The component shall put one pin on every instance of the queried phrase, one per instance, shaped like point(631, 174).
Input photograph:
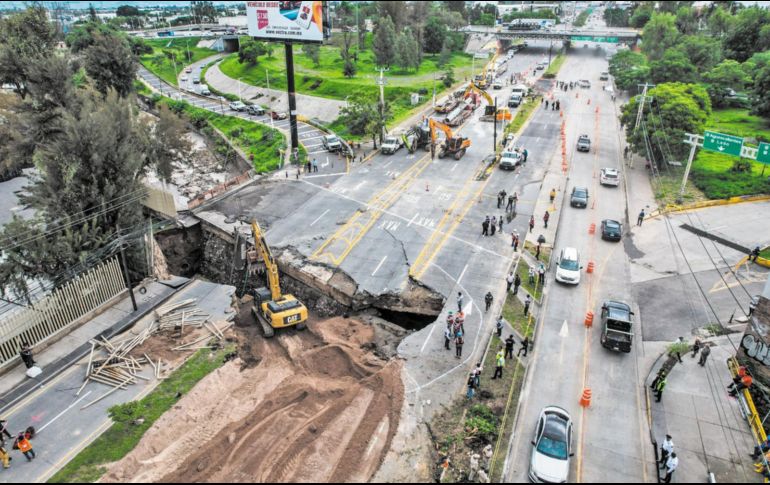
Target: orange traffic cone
point(589, 319)
point(585, 399)
point(590, 268)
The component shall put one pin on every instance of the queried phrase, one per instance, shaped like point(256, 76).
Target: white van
point(568, 266)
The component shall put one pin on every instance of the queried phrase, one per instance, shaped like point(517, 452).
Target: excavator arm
point(441, 126)
point(267, 257)
point(473, 88)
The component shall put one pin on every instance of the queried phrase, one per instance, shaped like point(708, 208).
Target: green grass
point(582, 17)
point(711, 171)
point(261, 143)
point(522, 115)
point(534, 290)
point(553, 69)
point(123, 436)
point(327, 80)
point(160, 65)
point(513, 312)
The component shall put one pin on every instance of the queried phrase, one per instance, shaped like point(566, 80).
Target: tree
point(395, 11)
point(110, 63)
point(673, 67)
point(92, 17)
point(434, 36)
point(384, 42)
point(313, 52)
point(660, 33)
point(361, 28)
point(743, 40)
point(728, 74)
point(407, 50)
point(82, 37)
point(720, 22)
point(250, 50)
point(686, 21)
point(642, 14)
point(629, 69)
point(675, 109)
point(617, 17)
point(164, 141)
point(445, 56)
point(349, 66)
point(703, 52)
point(449, 78)
point(128, 11)
point(456, 7)
point(761, 90)
point(203, 12)
point(24, 37)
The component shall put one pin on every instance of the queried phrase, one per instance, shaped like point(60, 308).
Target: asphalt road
point(568, 357)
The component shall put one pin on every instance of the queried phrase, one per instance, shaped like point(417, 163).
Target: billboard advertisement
point(286, 21)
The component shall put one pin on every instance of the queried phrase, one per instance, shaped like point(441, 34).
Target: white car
point(609, 176)
point(568, 266)
point(509, 160)
point(552, 447)
point(237, 106)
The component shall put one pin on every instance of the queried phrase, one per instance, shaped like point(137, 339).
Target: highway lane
point(567, 357)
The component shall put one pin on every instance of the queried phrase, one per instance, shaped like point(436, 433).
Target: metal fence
point(56, 312)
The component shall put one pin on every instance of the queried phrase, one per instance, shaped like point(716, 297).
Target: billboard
point(286, 21)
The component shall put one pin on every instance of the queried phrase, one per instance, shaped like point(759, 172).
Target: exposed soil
point(312, 406)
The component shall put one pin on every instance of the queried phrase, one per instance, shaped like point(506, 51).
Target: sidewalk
point(709, 432)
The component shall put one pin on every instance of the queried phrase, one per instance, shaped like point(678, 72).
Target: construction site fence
point(218, 190)
point(55, 313)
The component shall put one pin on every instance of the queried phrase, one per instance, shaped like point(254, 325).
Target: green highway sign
point(719, 142)
point(590, 38)
point(763, 153)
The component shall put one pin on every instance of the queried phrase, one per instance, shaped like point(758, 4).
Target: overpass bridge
point(625, 36)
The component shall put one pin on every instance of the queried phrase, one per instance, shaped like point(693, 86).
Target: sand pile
point(312, 406)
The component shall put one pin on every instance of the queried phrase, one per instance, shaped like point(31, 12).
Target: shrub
point(741, 166)
point(236, 132)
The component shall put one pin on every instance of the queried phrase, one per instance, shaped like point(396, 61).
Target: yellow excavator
point(503, 113)
point(453, 145)
point(272, 308)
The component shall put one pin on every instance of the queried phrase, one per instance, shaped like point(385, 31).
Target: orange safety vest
point(747, 381)
point(24, 445)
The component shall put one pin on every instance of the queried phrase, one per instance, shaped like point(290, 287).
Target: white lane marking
point(379, 265)
point(319, 217)
point(49, 423)
point(425, 344)
point(453, 167)
point(462, 273)
point(564, 332)
point(386, 165)
point(317, 151)
point(314, 145)
point(413, 218)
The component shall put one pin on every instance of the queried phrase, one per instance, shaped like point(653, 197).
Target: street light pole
point(382, 101)
point(494, 132)
point(267, 76)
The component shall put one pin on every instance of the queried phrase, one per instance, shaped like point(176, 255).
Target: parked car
point(509, 160)
point(278, 116)
point(237, 106)
point(568, 266)
point(584, 143)
point(584, 83)
point(552, 447)
point(497, 85)
point(391, 144)
point(196, 80)
point(604, 76)
point(184, 78)
point(612, 230)
point(579, 197)
point(331, 143)
point(609, 176)
point(255, 109)
point(188, 70)
point(205, 91)
point(617, 326)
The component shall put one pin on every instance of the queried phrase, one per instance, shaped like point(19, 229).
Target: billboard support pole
point(292, 98)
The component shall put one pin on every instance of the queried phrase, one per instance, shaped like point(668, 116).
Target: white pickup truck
point(391, 144)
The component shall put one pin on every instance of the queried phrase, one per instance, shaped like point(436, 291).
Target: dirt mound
point(313, 406)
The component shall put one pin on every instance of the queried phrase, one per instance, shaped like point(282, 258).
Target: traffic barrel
point(589, 319)
point(590, 268)
point(585, 399)
point(592, 228)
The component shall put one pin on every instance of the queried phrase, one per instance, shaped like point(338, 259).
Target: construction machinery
point(452, 145)
point(489, 109)
point(417, 137)
point(272, 308)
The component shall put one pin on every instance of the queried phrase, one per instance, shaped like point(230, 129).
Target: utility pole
point(381, 83)
point(292, 97)
point(494, 132)
point(694, 141)
point(267, 76)
point(640, 112)
point(126, 278)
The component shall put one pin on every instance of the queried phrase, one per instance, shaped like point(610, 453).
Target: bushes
point(722, 185)
point(482, 422)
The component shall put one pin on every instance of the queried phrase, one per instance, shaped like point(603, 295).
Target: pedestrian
point(553, 195)
point(493, 226)
point(513, 241)
point(5, 457)
point(696, 346)
point(658, 377)
point(546, 104)
point(315, 165)
point(754, 254)
point(665, 450)
point(531, 275)
point(509, 281)
point(558, 105)
point(485, 228)
point(537, 252)
point(625, 152)
point(4, 429)
point(309, 166)
point(477, 377)
point(23, 444)
point(676, 353)
point(459, 301)
point(447, 336)
point(742, 371)
point(500, 223)
point(541, 275)
point(531, 223)
point(524, 347)
point(488, 300)
point(459, 345)
point(499, 326)
point(516, 243)
point(459, 325)
point(512, 200)
point(499, 199)
point(527, 303)
point(704, 354)
point(640, 219)
point(516, 283)
point(499, 364)
point(671, 465)
point(659, 388)
point(525, 152)
point(546, 216)
point(503, 195)
point(26, 355)
point(471, 386)
point(509, 343)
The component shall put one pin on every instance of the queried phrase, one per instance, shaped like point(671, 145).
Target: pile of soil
point(311, 406)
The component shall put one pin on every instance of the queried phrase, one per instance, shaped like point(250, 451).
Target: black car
point(611, 230)
point(579, 197)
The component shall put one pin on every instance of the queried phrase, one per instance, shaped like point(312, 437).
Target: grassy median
point(522, 115)
point(171, 55)
point(554, 67)
point(115, 443)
